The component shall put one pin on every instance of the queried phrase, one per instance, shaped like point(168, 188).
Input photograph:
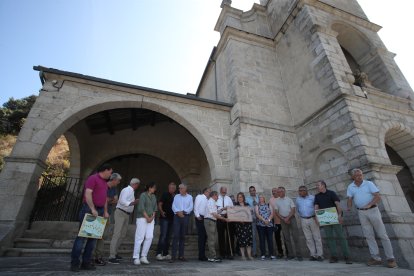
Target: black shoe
point(312, 258)
point(319, 259)
point(230, 257)
point(118, 257)
point(87, 266)
point(290, 258)
point(172, 260)
point(74, 268)
point(100, 262)
point(203, 259)
point(347, 260)
point(299, 259)
point(113, 261)
point(333, 260)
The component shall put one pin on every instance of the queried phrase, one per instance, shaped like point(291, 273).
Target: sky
point(161, 44)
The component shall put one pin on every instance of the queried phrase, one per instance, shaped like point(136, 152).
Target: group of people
point(216, 230)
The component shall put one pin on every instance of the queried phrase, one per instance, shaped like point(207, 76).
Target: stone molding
point(36, 161)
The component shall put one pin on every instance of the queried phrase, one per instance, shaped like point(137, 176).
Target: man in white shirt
point(226, 248)
point(124, 209)
point(285, 209)
point(200, 207)
point(210, 219)
point(182, 208)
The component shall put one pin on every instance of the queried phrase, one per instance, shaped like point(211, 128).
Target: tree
point(13, 114)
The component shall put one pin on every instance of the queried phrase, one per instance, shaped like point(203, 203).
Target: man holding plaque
point(94, 202)
point(328, 199)
point(210, 219)
point(365, 195)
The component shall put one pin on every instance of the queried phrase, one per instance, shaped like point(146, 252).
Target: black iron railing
point(58, 199)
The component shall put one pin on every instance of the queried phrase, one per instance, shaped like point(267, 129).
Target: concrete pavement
point(19, 266)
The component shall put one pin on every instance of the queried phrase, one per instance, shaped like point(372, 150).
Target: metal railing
point(58, 199)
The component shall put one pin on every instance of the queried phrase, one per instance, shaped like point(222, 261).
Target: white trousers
point(143, 233)
point(371, 221)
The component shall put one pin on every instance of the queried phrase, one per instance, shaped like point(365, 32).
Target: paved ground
point(17, 266)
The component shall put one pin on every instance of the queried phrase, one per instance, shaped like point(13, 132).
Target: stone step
point(62, 244)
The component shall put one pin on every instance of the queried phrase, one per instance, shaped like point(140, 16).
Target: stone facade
point(277, 106)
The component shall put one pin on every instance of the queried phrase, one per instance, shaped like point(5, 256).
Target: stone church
point(295, 91)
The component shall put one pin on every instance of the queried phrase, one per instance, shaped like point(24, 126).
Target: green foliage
point(12, 117)
point(13, 114)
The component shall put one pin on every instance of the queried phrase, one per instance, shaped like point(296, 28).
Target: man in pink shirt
point(94, 202)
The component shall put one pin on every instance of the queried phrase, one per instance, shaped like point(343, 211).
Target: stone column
point(19, 183)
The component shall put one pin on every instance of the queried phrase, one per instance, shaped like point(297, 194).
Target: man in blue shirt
point(306, 209)
point(182, 207)
point(365, 195)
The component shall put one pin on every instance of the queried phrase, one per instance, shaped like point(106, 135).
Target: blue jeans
point(166, 227)
point(180, 229)
point(265, 233)
point(79, 241)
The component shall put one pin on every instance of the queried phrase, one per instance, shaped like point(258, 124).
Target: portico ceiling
point(113, 120)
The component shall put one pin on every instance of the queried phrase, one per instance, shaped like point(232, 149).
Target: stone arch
point(162, 157)
point(398, 143)
point(360, 55)
point(65, 121)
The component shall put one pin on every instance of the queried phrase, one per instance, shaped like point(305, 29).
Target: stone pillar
point(19, 183)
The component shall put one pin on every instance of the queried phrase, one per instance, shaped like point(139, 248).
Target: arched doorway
point(399, 144)
point(146, 168)
point(404, 176)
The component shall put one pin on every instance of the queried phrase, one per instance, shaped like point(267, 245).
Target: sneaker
point(319, 259)
point(217, 260)
point(348, 260)
point(118, 257)
point(87, 266)
point(100, 262)
point(372, 262)
point(74, 268)
point(159, 257)
point(333, 260)
point(312, 258)
point(263, 258)
point(113, 261)
point(167, 257)
point(144, 260)
point(273, 257)
point(391, 263)
point(137, 262)
point(211, 260)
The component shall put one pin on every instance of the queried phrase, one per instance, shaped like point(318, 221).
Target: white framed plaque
point(92, 227)
point(239, 214)
point(327, 216)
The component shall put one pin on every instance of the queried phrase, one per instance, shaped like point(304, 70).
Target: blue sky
point(161, 44)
